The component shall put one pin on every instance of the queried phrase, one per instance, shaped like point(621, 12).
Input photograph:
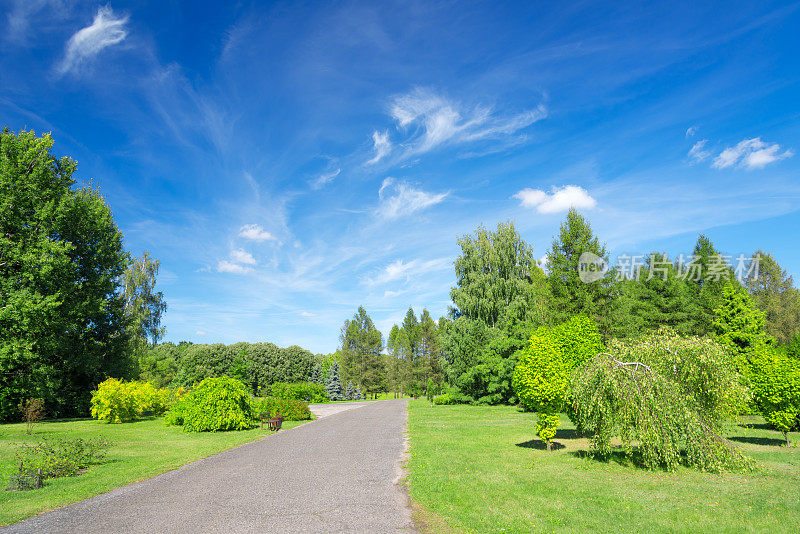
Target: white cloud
point(399, 270)
point(200, 333)
point(255, 232)
point(560, 199)
point(691, 131)
point(324, 179)
point(404, 200)
point(106, 30)
point(241, 256)
point(225, 266)
point(381, 145)
point(698, 151)
point(439, 121)
point(307, 314)
point(750, 154)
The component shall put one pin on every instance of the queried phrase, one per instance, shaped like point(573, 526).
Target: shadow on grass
point(540, 445)
point(756, 426)
point(772, 442)
point(632, 458)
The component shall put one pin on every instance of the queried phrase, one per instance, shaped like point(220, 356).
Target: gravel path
point(336, 474)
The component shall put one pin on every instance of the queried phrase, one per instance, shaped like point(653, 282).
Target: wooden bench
point(273, 423)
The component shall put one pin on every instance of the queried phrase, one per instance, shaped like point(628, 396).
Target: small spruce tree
point(351, 391)
point(334, 386)
point(316, 375)
point(359, 395)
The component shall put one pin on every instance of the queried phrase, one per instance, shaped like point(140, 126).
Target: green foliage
point(334, 385)
point(775, 382)
point(497, 279)
point(774, 294)
point(62, 320)
point(542, 375)
point(569, 295)
point(62, 458)
point(215, 404)
point(304, 391)
point(118, 401)
point(659, 297)
point(360, 353)
point(737, 323)
point(667, 395)
point(289, 409)
point(256, 364)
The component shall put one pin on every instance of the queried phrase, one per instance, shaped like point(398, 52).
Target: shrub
point(304, 391)
point(542, 375)
point(451, 396)
point(216, 404)
point(289, 409)
point(665, 394)
point(32, 412)
point(57, 458)
point(775, 381)
point(117, 401)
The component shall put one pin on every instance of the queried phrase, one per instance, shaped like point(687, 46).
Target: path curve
point(336, 474)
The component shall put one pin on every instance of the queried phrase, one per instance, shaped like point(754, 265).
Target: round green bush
point(215, 404)
point(545, 366)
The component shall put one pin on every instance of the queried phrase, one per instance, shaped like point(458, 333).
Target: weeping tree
point(664, 396)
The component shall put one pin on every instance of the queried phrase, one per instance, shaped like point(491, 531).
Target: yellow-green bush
point(775, 381)
point(117, 401)
point(545, 366)
point(215, 404)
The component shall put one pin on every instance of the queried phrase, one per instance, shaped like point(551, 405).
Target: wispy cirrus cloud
point(403, 199)
point(106, 30)
point(226, 266)
point(380, 145)
point(255, 232)
point(698, 152)
point(325, 178)
point(558, 200)
point(751, 154)
point(432, 120)
point(404, 270)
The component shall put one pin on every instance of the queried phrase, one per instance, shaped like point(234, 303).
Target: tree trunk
point(786, 437)
point(549, 446)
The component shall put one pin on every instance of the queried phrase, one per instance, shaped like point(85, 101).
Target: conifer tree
point(334, 386)
point(774, 293)
point(570, 296)
point(316, 375)
point(351, 391)
point(738, 324)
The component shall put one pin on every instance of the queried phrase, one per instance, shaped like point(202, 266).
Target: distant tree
point(361, 346)
point(774, 293)
point(351, 391)
point(63, 328)
point(656, 297)
point(334, 385)
point(498, 279)
point(144, 306)
point(707, 273)
point(570, 296)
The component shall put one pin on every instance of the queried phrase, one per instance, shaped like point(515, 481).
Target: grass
point(480, 469)
point(138, 451)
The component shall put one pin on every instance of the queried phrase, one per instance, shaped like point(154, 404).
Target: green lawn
point(138, 451)
point(480, 469)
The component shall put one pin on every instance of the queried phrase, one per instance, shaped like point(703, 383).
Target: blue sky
point(292, 161)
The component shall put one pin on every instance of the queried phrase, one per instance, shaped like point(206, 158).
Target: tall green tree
point(774, 293)
point(144, 305)
point(63, 327)
point(570, 296)
point(497, 279)
point(361, 346)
